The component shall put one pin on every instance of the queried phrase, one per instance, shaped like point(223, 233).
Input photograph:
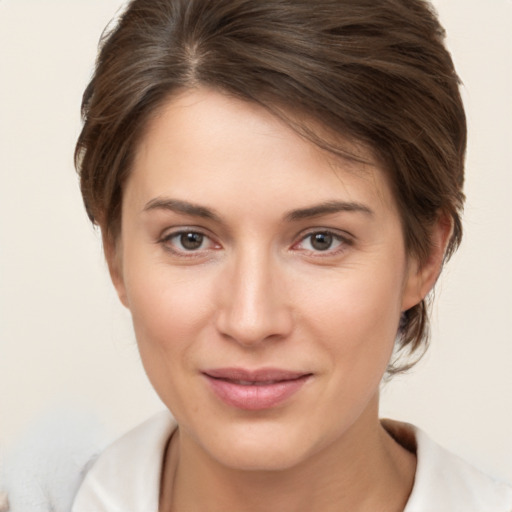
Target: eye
point(322, 241)
point(188, 241)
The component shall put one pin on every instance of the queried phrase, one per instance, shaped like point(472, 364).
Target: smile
point(254, 390)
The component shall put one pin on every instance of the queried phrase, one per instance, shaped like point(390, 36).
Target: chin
point(263, 447)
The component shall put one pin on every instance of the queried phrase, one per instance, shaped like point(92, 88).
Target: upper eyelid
point(340, 233)
point(171, 233)
point(345, 239)
point(179, 230)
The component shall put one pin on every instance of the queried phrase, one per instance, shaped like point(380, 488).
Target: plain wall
point(66, 343)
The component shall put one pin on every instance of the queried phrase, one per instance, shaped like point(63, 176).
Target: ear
point(422, 276)
point(114, 255)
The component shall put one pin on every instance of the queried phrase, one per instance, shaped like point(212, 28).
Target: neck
point(364, 470)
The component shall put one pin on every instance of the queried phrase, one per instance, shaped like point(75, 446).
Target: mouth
point(255, 390)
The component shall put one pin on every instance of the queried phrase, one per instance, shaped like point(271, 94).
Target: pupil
point(191, 240)
point(321, 241)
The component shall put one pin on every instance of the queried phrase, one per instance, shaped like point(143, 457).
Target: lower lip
point(253, 397)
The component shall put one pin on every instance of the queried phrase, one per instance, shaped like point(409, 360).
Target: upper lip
point(258, 375)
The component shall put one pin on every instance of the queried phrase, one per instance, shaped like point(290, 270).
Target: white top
point(126, 477)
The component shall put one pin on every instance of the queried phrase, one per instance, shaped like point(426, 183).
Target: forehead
point(206, 144)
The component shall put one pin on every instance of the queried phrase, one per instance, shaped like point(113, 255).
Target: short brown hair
point(373, 71)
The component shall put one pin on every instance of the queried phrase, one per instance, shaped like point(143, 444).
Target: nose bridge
point(254, 306)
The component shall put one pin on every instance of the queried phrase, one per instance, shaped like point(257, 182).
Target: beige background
point(66, 344)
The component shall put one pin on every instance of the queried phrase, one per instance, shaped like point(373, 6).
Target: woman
point(277, 184)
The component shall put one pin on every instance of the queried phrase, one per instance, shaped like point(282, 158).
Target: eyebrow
point(175, 205)
point(326, 209)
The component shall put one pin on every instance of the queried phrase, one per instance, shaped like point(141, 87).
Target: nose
point(253, 301)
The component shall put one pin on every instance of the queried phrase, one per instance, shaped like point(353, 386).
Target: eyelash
point(167, 242)
point(342, 243)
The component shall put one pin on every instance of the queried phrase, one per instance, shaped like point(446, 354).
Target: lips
point(255, 390)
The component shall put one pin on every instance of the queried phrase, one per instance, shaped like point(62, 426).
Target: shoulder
point(445, 482)
point(126, 476)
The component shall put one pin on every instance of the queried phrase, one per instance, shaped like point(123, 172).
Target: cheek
point(169, 310)
point(167, 318)
point(165, 310)
point(358, 302)
point(355, 317)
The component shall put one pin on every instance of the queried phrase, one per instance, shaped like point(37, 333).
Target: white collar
point(449, 484)
point(126, 477)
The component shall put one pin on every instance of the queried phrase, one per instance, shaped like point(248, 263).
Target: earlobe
point(422, 276)
point(113, 255)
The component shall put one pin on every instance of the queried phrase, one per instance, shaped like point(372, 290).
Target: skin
point(258, 292)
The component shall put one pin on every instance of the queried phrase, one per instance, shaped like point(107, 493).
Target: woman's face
point(265, 280)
